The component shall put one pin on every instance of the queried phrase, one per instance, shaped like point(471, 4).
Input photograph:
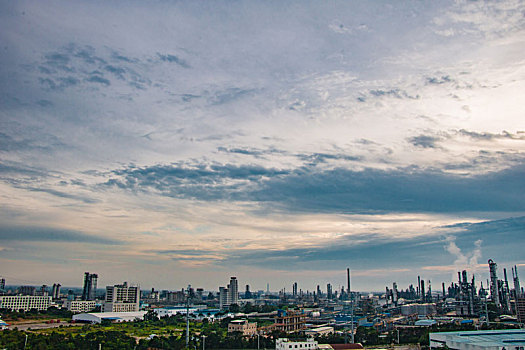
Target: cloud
point(200, 181)
point(397, 93)
point(174, 59)
point(62, 194)
point(398, 190)
point(16, 169)
point(98, 79)
point(424, 141)
point(487, 136)
point(49, 234)
point(375, 251)
point(337, 190)
point(444, 79)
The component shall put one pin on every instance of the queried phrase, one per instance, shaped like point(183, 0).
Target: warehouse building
point(509, 339)
point(98, 317)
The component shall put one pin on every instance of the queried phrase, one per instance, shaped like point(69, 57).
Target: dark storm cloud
point(424, 141)
point(208, 182)
point(340, 190)
point(49, 234)
point(400, 190)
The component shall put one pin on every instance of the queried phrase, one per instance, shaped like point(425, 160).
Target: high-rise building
point(27, 290)
point(229, 295)
point(223, 298)
point(90, 286)
point(247, 293)
point(56, 291)
point(42, 291)
point(329, 293)
point(233, 291)
point(122, 298)
point(2, 283)
point(294, 289)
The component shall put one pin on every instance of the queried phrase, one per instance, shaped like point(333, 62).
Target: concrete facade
point(80, 305)
point(243, 326)
point(26, 302)
point(287, 344)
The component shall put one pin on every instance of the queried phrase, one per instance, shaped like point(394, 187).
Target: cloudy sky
point(176, 142)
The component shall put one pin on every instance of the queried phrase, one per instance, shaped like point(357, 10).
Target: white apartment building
point(122, 298)
point(26, 302)
point(287, 344)
point(80, 305)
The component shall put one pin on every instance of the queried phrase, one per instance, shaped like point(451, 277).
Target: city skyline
point(187, 142)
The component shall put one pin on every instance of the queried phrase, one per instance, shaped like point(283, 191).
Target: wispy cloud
point(50, 234)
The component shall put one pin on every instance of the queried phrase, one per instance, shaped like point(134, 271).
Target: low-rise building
point(80, 305)
point(304, 344)
point(243, 326)
point(479, 340)
point(98, 317)
point(418, 309)
point(25, 302)
point(318, 331)
point(290, 321)
point(520, 308)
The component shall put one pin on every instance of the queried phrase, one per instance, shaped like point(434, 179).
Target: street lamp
point(203, 341)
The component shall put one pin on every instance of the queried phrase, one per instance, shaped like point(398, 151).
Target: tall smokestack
point(348, 281)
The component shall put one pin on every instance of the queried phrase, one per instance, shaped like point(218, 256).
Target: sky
point(169, 143)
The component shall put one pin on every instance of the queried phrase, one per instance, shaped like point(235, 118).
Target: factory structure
point(464, 297)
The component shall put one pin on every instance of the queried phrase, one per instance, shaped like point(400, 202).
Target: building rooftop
point(502, 338)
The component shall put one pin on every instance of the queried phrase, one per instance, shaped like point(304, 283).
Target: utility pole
point(203, 342)
point(188, 317)
point(351, 305)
